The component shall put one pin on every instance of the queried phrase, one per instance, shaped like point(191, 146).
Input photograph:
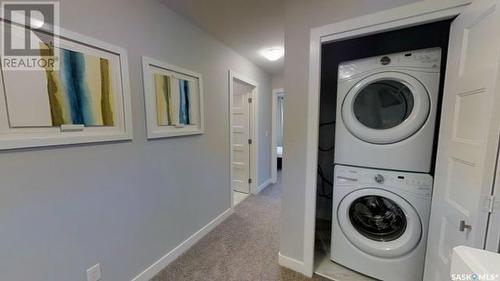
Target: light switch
point(94, 273)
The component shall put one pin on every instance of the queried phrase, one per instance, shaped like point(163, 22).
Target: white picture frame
point(38, 136)
point(151, 67)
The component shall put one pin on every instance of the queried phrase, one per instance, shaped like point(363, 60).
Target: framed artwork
point(174, 100)
point(85, 100)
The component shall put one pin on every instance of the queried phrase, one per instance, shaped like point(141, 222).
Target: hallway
point(244, 247)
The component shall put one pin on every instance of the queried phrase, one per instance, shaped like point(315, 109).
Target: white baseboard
point(263, 185)
point(155, 268)
point(291, 263)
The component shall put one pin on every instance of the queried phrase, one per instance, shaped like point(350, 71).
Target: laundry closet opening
point(432, 36)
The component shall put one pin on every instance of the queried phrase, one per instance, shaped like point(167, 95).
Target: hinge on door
point(491, 204)
point(250, 141)
point(249, 100)
point(249, 180)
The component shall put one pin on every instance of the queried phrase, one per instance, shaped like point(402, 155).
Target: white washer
point(386, 111)
point(380, 221)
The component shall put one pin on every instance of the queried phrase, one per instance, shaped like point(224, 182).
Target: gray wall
point(125, 204)
point(301, 16)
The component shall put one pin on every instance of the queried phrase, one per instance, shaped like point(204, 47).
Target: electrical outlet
point(94, 273)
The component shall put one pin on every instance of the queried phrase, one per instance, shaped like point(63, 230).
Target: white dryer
point(386, 111)
point(380, 221)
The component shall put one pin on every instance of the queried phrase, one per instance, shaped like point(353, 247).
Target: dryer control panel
point(422, 58)
point(428, 59)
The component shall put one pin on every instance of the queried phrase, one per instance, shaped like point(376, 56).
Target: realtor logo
point(29, 35)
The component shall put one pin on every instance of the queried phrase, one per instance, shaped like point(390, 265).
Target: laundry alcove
point(425, 36)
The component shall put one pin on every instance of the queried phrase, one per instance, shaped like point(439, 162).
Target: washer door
point(379, 222)
point(386, 107)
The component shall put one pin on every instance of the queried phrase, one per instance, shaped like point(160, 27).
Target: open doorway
point(277, 133)
point(243, 140)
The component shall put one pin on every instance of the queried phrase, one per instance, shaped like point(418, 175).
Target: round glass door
point(377, 218)
point(383, 104)
point(379, 222)
point(385, 107)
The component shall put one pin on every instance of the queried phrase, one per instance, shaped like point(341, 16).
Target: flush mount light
point(273, 54)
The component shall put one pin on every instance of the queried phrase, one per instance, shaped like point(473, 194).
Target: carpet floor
point(242, 248)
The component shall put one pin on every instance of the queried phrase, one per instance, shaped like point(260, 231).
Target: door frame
point(274, 153)
point(254, 134)
point(492, 242)
point(401, 17)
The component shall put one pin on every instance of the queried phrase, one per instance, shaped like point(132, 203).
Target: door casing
point(274, 135)
point(493, 231)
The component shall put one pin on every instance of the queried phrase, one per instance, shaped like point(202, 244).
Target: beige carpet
point(242, 248)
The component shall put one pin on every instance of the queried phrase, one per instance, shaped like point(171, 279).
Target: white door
point(468, 138)
point(241, 136)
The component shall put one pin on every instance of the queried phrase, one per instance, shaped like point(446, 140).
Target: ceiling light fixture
point(273, 54)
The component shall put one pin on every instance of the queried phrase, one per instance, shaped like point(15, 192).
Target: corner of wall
point(294, 265)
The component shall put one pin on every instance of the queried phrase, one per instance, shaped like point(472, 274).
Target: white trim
point(265, 184)
point(40, 137)
point(274, 119)
point(291, 263)
point(230, 110)
point(164, 261)
point(153, 129)
point(493, 231)
point(254, 148)
point(401, 17)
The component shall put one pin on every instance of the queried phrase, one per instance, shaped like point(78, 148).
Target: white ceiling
point(247, 26)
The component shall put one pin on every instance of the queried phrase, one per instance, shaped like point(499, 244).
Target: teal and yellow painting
point(80, 91)
point(173, 100)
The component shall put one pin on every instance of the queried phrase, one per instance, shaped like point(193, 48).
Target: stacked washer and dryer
point(384, 138)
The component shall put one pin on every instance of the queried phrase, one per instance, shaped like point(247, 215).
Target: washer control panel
point(379, 178)
point(416, 183)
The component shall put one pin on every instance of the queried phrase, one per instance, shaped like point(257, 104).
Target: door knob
point(463, 226)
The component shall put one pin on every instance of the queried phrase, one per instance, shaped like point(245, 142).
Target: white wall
point(278, 81)
point(301, 16)
point(125, 205)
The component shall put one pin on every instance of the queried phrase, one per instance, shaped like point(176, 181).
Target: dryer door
point(386, 107)
point(379, 223)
